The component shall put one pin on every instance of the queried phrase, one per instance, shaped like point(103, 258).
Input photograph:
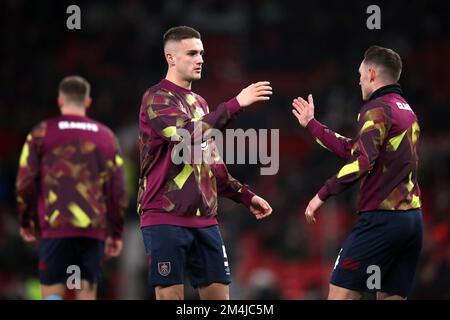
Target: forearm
point(330, 140)
point(175, 125)
point(230, 188)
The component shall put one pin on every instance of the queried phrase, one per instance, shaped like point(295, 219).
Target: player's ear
point(372, 74)
point(88, 102)
point(60, 101)
point(170, 59)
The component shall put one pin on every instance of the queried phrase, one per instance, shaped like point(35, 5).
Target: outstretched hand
point(255, 92)
point(311, 209)
point(260, 207)
point(303, 110)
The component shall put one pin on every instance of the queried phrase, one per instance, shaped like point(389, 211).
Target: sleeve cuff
point(233, 106)
point(323, 193)
point(314, 127)
point(246, 198)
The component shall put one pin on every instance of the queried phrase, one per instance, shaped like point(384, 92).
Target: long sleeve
point(118, 198)
point(166, 117)
point(373, 126)
point(227, 186)
point(27, 180)
point(330, 140)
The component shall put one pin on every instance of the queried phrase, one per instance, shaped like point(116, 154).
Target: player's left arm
point(304, 112)
point(373, 125)
point(27, 183)
point(229, 187)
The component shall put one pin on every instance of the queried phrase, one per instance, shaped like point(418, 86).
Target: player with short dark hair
point(387, 60)
point(384, 156)
point(71, 193)
point(180, 33)
point(177, 203)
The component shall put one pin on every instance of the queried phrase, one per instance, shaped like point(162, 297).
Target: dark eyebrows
point(193, 52)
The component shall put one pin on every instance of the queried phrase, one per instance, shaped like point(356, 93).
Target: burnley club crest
point(164, 268)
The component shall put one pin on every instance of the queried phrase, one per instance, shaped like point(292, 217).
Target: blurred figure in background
point(71, 193)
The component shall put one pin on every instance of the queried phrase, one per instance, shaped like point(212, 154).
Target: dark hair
point(75, 89)
point(180, 33)
point(386, 58)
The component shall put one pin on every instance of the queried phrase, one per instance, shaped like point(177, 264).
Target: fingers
point(310, 99)
point(303, 102)
point(309, 214)
point(297, 108)
point(113, 247)
point(259, 91)
point(112, 251)
point(28, 235)
point(263, 93)
point(261, 208)
point(296, 114)
point(261, 83)
point(262, 88)
point(29, 238)
point(297, 104)
point(267, 212)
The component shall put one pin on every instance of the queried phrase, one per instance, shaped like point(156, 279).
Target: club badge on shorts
point(164, 268)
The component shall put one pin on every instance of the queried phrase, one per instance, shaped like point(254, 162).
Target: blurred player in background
point(71, 193)
point(178, 203)
point(384, 156)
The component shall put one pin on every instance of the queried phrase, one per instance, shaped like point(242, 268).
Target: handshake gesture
point(255, 92)
point(303, 110)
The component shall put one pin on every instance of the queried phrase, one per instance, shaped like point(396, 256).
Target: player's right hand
point(255, 92)
point(260, 207)
point(303, 110)
point(312, 208)
point(113, 247)
point(28, 234)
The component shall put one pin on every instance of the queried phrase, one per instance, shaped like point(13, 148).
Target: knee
point(169, 293)
point(338, 293)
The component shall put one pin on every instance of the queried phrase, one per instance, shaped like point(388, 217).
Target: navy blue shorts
point(56, 255)
point(383, 243)
point(175, 252)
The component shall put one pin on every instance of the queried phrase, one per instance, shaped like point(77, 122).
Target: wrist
point(308, 121)
point(240, 102)
point(233, 105)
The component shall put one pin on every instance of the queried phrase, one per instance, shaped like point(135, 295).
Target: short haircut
point(75, 89)
point(180, 33)
point(388, 59)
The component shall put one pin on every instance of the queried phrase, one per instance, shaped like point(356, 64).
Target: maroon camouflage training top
point(182, 194)
point(71, 179)
point(384, 154)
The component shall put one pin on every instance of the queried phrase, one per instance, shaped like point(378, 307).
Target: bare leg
point(388, 296)
point(55, 290)
point(175, 292)
point(88, 291)
point(215, 291)
point(338, 293)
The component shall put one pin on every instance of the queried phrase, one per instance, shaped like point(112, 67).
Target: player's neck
point(381, 84)
point(178, 81)
point(71, 110)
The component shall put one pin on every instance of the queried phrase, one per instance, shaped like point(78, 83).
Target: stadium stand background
point(301, 47)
